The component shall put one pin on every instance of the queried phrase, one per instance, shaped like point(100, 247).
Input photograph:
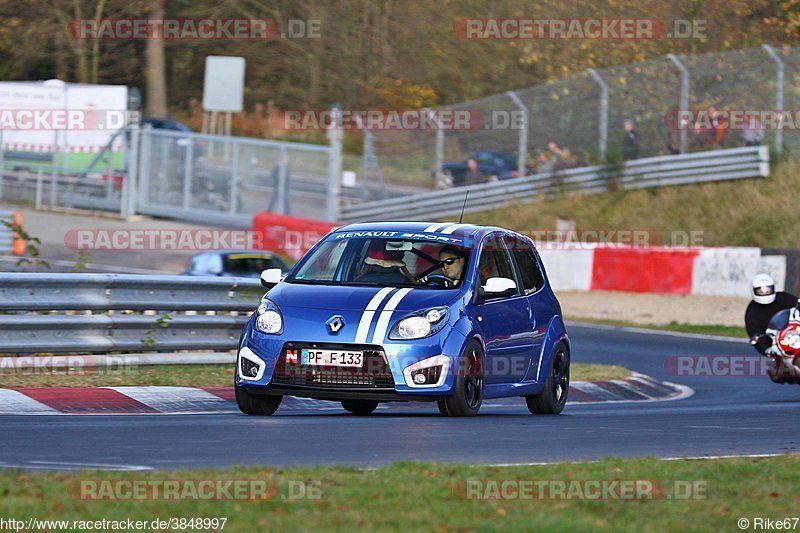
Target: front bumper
point(387, 375)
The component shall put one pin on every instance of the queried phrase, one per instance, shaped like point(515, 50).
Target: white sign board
point(223, 88)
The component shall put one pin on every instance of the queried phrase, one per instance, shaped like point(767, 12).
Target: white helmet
point(762, 288)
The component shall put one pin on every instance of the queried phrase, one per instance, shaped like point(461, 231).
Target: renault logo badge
point(335, 323)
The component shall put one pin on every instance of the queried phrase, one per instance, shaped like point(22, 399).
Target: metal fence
point(585, 114)
point(101, 313)
point(225, 180)
point(715, 165)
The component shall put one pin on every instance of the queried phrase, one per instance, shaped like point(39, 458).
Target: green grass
point(198, 376)
point(751, 212)
point(162, 375)
point(433, 497)
point(593, 372)
point(710, 329)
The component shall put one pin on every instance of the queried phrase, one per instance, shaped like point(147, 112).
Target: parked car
point(406, 311)
point(242, 264)
point(492, 164)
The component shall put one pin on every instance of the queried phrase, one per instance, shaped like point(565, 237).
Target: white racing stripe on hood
point(433, 227)
point(450, 229)
point(369, 313)
point(386, 315)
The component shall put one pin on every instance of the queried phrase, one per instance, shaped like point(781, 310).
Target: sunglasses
point(450, 260)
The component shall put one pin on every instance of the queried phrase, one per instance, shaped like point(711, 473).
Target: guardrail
point(701, 167)
point(101, 313)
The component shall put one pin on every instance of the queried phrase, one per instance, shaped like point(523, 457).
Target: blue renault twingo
point(408, 311)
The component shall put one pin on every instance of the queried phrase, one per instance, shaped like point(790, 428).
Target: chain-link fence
point(584, 117)
point(182, 175)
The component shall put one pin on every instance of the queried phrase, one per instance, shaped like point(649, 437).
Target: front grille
point(373, 374)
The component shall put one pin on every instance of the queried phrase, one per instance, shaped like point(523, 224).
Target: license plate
point(332, 358)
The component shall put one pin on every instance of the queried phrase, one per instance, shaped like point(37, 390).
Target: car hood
point(356, 298)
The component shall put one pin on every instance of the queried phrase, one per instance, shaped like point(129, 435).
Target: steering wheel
point(439, 280)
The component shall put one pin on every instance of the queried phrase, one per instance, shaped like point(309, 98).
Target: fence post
point(187, 174)
point(684, 103)
point(131, 176)
point(438, 161)
point(522, 150)
point(53, 181)
point(335, 134)
point(142, 171)
point(280, 191)
point(779, 70)
point(603, 142)
point(234, 199)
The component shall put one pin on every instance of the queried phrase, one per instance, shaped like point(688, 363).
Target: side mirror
point(499, 288)
point(271, 277)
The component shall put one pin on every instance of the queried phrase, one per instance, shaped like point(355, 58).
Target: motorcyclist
point(766, 302)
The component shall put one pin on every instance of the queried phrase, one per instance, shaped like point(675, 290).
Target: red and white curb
point(211, 400)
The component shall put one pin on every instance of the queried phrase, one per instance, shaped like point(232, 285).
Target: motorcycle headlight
point(268, 318)
point(419, 325)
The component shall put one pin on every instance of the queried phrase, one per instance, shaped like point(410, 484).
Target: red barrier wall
point(291, 236)
point(657, 270)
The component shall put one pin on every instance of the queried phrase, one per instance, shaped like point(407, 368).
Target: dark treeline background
point(400, 54)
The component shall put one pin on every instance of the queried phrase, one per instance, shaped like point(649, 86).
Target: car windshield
point(384, 262)
point(248, 265)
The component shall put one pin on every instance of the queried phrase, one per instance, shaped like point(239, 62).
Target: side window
point(532, 279)
point(494, 261)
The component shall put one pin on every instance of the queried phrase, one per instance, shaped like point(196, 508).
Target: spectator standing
point(473, 175)
point(753, 131)
point(630, 141)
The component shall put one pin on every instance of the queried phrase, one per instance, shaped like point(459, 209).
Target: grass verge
point(686, 495)
point(200, 376)
point(724, 331)
point(727, 213)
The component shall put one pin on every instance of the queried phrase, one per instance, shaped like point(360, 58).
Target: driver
point(452, 261)
point(766, 302)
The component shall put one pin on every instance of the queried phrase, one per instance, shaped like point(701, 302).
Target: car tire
point(556, 388)
point(359, 407)
point(256, 404)
point(469, 384)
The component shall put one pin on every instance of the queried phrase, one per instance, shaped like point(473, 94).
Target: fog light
point(419, 378)
point(249, 368)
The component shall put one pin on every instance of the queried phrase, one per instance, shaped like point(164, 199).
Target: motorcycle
point(784, 332)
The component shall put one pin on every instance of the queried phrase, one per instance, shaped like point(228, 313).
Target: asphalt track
point(725, 416)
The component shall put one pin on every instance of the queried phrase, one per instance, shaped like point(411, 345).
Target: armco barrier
point(658, 270)
point(700, 271)
point(101, 313)
point(287, 235)
point(701, 167)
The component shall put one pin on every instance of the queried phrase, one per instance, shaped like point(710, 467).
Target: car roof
point(463, 231)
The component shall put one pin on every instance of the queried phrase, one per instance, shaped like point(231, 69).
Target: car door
point(505, 322)
point(532, 282)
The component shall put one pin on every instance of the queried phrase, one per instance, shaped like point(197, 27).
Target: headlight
point(419, 325)
point(268, 318)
